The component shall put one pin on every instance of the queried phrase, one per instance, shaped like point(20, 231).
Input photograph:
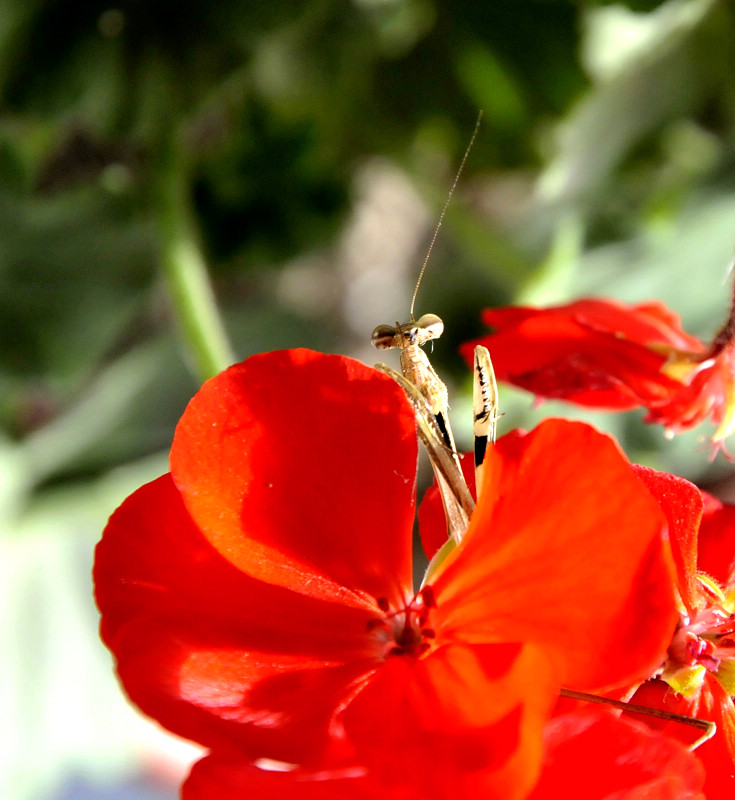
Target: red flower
point(606, 354)
point(259, 600)
point(698, 676)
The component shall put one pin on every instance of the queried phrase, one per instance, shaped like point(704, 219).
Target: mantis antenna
point(444, 211)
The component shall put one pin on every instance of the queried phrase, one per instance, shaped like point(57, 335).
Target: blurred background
point(298, 153)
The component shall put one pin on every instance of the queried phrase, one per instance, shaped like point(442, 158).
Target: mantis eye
point(430, 326)
point(384, 337)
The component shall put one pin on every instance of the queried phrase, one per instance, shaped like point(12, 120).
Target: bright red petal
point(646, 323)
point(717, 541)
point(217, 778)
point(682, 504)
point(299, 468)
point(564, 550)
point(594, 755)
point(649, 323)
point(212, 653)
point(461, 723)
point(711, 703)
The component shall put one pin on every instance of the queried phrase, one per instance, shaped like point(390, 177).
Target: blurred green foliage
point(240, 126)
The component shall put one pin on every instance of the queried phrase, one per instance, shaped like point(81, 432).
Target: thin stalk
point(183, 266)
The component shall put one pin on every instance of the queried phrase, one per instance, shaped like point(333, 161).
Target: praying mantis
point(429, 397)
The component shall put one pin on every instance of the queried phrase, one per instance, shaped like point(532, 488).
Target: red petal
point(463, 722)
point(212, 653)
point(594, 755)
point(712, 703)
point(645, 323)
point(681, 502)
point(565, 550)
point(218, 778)
point(299, 467)
point(717, 541)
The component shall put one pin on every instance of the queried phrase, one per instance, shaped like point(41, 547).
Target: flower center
point(707, 638)
point(404, 631)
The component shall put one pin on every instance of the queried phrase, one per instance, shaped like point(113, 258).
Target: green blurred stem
point(184, 269)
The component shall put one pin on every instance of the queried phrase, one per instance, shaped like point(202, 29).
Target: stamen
point(427, 596)
point(704, 639)
point(404, 628)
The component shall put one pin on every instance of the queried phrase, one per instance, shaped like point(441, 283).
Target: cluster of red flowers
point(259, 599)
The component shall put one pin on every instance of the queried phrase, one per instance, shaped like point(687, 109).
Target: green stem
point(184, 269)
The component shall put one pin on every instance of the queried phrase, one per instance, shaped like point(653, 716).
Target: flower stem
point(184, 270)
